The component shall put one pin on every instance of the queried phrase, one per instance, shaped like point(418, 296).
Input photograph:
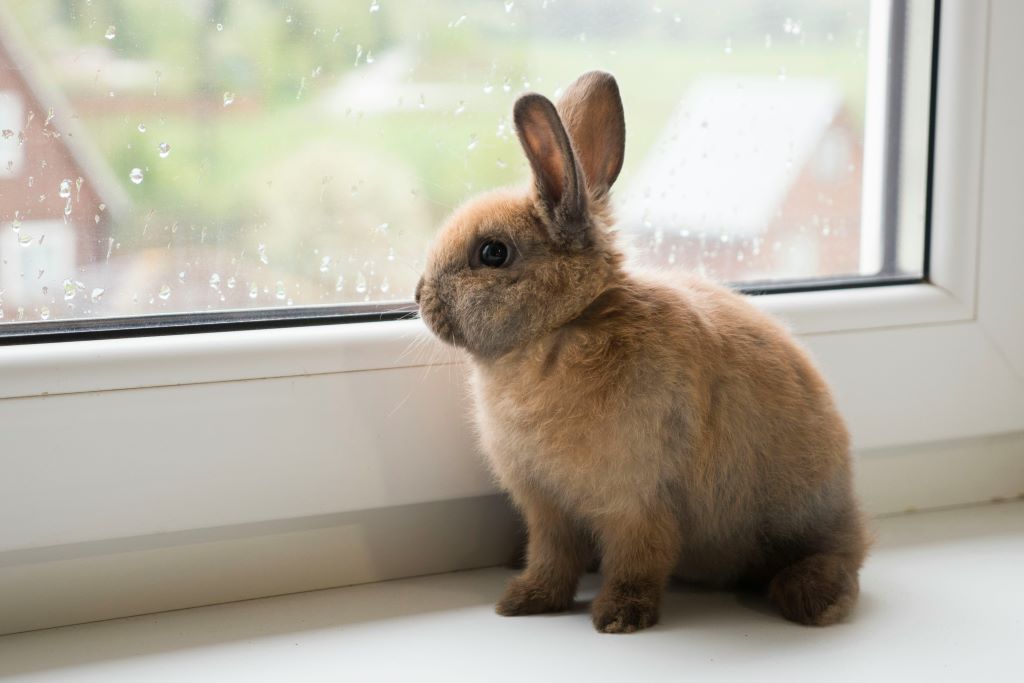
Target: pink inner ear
point(591, 110)
point(546, 155)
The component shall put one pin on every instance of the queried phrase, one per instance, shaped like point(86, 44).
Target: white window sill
point(940, 599)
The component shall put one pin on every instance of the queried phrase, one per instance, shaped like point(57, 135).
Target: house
point(751, 179)
point(57, 195)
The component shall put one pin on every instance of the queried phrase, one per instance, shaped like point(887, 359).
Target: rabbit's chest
point(526, 452)
point(562, 448)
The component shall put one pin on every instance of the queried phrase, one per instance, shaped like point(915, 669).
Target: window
point(200, 161)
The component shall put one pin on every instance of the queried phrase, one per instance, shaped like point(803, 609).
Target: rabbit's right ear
point(557, 177)
point(591, 109)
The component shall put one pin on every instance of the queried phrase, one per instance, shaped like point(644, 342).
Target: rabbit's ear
point(591, 110)
point(556, 174)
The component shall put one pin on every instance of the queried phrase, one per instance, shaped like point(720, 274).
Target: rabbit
point(657, 422)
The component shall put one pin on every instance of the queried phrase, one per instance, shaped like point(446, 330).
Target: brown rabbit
point(660, 421)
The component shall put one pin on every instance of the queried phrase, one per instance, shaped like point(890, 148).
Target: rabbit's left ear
point(591, 110)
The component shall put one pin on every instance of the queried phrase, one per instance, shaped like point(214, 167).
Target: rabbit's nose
point(419, 288)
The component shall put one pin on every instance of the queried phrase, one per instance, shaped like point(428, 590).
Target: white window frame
point(136, 437)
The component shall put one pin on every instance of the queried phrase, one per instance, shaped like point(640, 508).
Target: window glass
point(210, 155)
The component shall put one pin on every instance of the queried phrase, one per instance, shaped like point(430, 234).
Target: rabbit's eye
point(493, 254)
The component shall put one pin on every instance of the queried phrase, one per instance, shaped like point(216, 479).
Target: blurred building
point(751, 179)
point(57, 195)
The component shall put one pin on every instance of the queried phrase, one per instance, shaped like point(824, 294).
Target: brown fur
point(659, 420)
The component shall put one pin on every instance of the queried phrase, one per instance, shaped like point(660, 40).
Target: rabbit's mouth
point(432, 311)
point(446, 331)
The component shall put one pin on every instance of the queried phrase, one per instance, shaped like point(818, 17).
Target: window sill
point(174, 360)
point(918, 618)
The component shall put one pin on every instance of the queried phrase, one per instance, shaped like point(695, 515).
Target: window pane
point(209, 155)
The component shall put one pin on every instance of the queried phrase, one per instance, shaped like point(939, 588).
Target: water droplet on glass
point(472, 142)
point(111, 32)
point(728, 46)
point(360, 283)
point(254, 291)
point(44, 313)
point(262, 251)
point(383, 228)
point(461, 108)
point(69, 289)
point(782, 73)
point(142, 128)
point(280, 293)
point(325, 264)
point(65, 188)
point(509, 4)
point(288, 19)
point(220, 27)
point(768, 40)
point(503, 129)
point(229, 98)
point(385, 285)
point(97, 294)
point(488, 88)
point(374, 6)
point(506, 84)
point(24, 240)
point(215, 281)
point(136, 175)
point(457, 22)
point(165, 149)
point(391, 253)
point(339, 284)
point(165, 292)
point(181, 276)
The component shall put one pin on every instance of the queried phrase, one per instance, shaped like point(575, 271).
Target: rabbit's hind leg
point(817, 590)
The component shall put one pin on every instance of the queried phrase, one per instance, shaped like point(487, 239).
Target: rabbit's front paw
point(528, 596)
point(625, 608)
